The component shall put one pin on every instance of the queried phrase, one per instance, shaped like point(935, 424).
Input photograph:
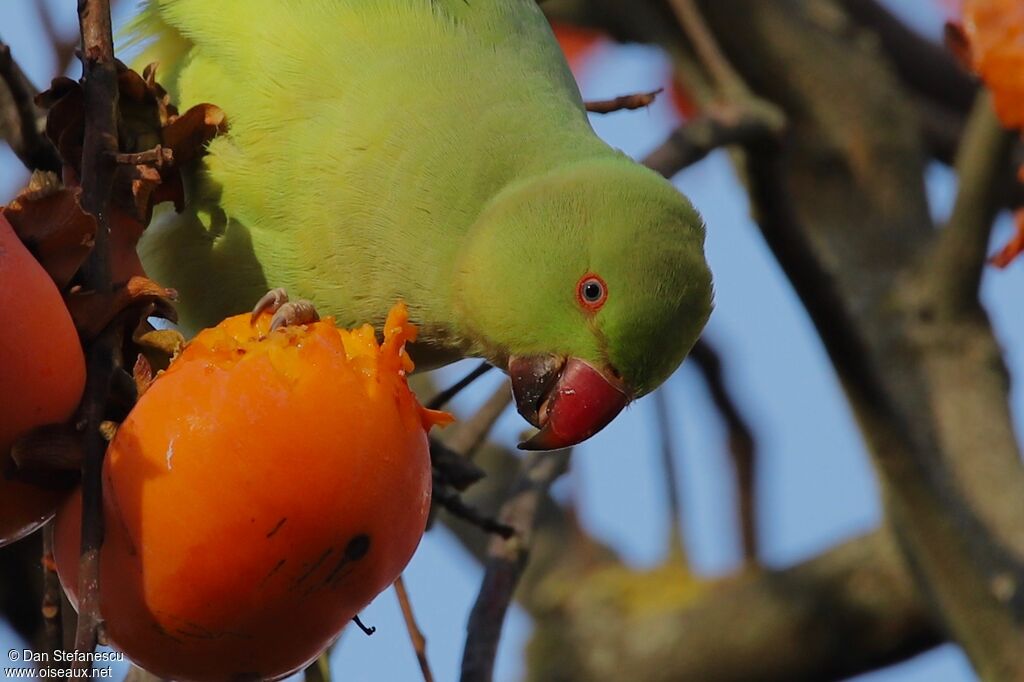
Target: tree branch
point(741, 445)
point(850, 610)
point(53, 634)
point(926, 67)
point(505, 563)
point(99, 76)
point(720, 126)
point(677, 546)
point(419, 642)
point(21, 121)
point(981, 163)
point(623, 102)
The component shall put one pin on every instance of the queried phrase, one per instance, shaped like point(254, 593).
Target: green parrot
point(436, 151)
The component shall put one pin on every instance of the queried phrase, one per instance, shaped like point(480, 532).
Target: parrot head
point(589, 285)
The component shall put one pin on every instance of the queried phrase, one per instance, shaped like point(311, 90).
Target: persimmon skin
point(260, 494)
point(42, 376)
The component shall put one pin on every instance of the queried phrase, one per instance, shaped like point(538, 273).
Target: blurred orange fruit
point(42, 376)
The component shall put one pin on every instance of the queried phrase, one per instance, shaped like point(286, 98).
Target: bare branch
point(64, 47)
point(720, 126)
point(741, 444)
point(669, 472)
point(505, 563)
point(727, 81)
point(925, 66)
point(53, 633)
point(419, 642)
point(21, 121)
point(442, 398)
point(454, 505)
point(850, 610)
point(156, 157)
point(981, 164)
point(99, 75)
point(466, 436)
point(623, 102)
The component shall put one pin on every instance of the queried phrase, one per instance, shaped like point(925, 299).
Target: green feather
point(433, 151)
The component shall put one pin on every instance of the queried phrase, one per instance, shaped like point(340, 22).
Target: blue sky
point(816, 487)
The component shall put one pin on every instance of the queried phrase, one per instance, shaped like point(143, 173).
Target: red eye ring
point(591, 292)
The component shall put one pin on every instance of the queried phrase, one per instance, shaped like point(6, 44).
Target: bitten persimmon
point(42, 376)
point(264, 489)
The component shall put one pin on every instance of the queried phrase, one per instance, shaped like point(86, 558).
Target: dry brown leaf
point(92, 311)
point(53, 226)
point(189, 133)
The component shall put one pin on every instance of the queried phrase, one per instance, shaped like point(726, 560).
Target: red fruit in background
point(42, 376)
point(578, 44)
point(264, 489)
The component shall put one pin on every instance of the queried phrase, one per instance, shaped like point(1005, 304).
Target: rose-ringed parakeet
point(436, 151)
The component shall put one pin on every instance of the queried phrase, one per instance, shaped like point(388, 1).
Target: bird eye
point(591, 292)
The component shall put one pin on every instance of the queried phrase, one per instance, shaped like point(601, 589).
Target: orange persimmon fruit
point(265, 488)
point(42, 376)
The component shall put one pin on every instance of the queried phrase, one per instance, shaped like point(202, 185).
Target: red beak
point(568, 400)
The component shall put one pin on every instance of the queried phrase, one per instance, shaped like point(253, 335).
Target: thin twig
point(453, 504)
point(320, 669)
point(741, 445)
point(506, 560)
point(724, 76)
point(102, 361)
point(442, 398)
point(21, 121)
point(450, 468)
point(638, 100)
point(52, 627)
point(668, 465)
point(157, 157)
point(64, 47)
point(419, 642)
point(99, 76)
point(467, 436)
point(720, 126)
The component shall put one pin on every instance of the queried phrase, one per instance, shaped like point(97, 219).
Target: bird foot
point(285, 312)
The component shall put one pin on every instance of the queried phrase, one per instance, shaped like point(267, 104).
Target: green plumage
point(435, 151)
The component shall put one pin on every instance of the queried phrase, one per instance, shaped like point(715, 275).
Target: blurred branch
point(466, 436)
point(623, 102)
point(506, 559)
point(850, 610)
point(841, 202)
point(454, 505)
point(53, 634)
point(727, 82)
point(853, 609)
point(677, 547)
point(741, 444)
point(64, 46)
point(718, 127)
point(21, 122)
point(419, 642)
point(925, 66)
point(960, 253)
point(442, 398)
point(842, 205)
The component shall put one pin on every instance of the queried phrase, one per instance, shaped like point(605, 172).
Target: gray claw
point(271, 301)
point(295, 312)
